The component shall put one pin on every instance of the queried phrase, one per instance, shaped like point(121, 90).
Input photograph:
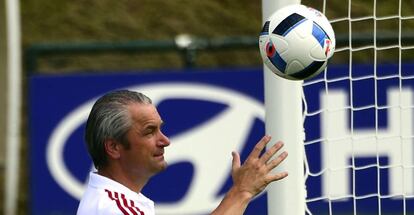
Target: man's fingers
point(270, 152)
point(275, 162)
point(278, 176)
point(236, 161)
point(259, 147)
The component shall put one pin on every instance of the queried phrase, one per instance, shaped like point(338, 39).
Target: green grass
point(111, 21)
point(45, 21)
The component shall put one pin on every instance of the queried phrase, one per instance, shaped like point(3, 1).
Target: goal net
point(358, 114)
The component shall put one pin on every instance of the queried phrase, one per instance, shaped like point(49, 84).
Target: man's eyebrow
point(154, 125)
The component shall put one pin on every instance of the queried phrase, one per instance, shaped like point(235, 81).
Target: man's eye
point(149, 131)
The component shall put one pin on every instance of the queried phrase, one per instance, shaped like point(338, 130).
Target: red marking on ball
point(270, 50)
point(328, 47)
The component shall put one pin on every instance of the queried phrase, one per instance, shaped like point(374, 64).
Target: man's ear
point(112, 148)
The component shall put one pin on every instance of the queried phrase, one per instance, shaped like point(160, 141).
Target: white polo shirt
point(104, 196)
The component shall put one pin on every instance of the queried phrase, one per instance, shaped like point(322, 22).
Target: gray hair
point(110, 119)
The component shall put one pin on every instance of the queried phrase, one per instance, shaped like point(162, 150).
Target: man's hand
point(254, 175)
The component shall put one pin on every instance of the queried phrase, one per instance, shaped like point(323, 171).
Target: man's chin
point(164, 166)
point(161, 167)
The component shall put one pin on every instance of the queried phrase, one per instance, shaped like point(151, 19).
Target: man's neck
point(135, 184)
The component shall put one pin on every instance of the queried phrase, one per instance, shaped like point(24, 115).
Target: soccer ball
point(296, 42)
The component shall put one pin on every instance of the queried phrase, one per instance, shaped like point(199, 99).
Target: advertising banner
point(366, 123)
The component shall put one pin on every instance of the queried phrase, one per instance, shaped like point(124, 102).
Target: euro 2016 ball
point(296, 42)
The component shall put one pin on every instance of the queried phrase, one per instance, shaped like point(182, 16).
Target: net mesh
point(358, 114)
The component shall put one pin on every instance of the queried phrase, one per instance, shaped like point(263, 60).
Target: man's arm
point(251, 178)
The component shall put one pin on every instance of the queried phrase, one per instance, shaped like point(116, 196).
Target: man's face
point(145, 154)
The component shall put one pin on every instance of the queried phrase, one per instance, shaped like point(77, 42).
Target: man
point(125, 141)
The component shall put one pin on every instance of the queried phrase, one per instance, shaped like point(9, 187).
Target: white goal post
point(14, 100)
point(350, 131)
point(283, 106)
